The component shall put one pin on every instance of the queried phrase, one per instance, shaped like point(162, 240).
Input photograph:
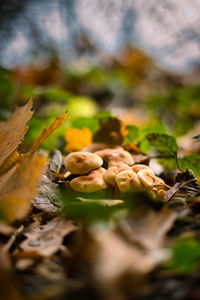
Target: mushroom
point(111, 173)
point(82, 162)
point(155, 190)
point(90, 183)
point(158, 182)
point(127, 179)
point(114, 157)
point(138, 167)
point(161, 193)
point(147, 177)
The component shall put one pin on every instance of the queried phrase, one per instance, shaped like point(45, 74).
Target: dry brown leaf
point(137, 252)
point(117, 257)
point(10, 162)
point(110, 132)
point(185, 185)
point(12, 131)
point(8, 283)
point(149, 230)
point(48, 196)
point(47, 239)
point(6, 229)
point(19, 172)
point(19, 186)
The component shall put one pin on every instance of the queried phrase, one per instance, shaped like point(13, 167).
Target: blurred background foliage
point(129, 85)
point(69, 68)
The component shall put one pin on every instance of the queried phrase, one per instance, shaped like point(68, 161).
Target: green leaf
point(185, 255)
point(83, 122)
point(132, 135)
point(49, 93)
point(153, 126)
point(191, 162)
point(163, 143)
point(54, 93)
point(103, 116)
point(87, 211)
point(168, 163)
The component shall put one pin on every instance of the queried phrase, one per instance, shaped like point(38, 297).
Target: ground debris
point(46, 239)
point(185, 185)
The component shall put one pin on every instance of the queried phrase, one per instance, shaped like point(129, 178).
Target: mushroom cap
point(147, 177)
point(111, 173)
point(136, 168)
point(158, 181)
point(82, 162)
point(127, 179)
point(90, 183)
point(161, 192)
point(115, 156)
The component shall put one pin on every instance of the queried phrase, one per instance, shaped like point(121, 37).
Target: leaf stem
point(176, 158)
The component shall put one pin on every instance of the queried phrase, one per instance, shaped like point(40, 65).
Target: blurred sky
point(168, 30)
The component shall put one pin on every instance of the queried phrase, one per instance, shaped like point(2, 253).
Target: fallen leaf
point(135, 250)
point(56, 161)
point(149, 230)
point(19, 186)
point(47, 239)
point(186, 185)
point(10, 162)
point(110, 132)
point(12, 131)
point(8, 282)
point(104, 202)
point(54, 167)
point(47, 198)
point(116, 257)
point(77, 139)
point(6, 229)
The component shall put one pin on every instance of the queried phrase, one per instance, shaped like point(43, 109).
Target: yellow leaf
point(12, 131)
point(124, 130)
point(19, 186)
point(77, 139)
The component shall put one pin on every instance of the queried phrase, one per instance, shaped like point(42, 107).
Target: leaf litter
point(46, 239)
point(115, 256)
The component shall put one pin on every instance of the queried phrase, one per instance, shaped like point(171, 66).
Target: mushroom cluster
point(95, 171)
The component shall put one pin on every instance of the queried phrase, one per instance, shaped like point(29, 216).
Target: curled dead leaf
point(12, 132)
point(19, 186)
point(47, 239)
point(45, 134)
